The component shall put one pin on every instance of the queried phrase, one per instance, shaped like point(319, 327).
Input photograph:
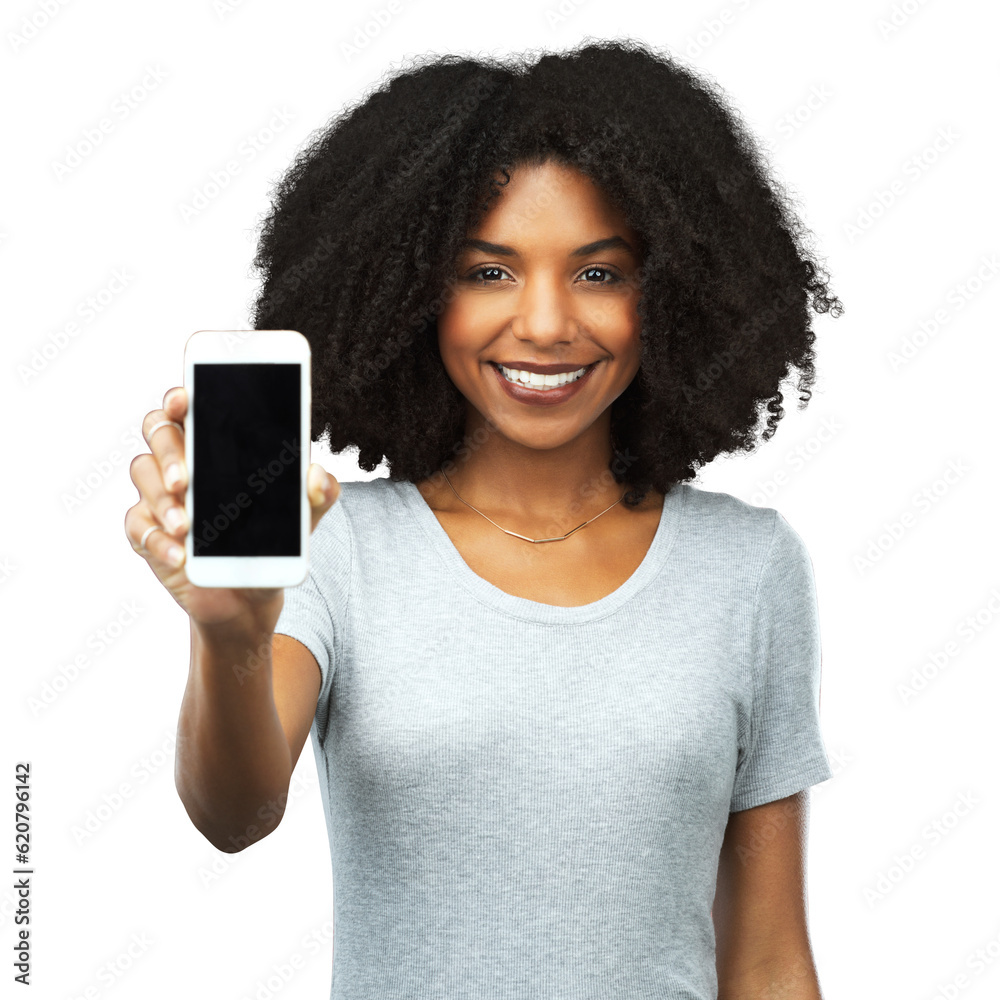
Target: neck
point(502, 477)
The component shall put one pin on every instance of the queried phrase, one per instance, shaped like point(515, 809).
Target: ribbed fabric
point(527, 801)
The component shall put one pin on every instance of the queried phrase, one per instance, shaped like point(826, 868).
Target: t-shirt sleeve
point(316, 611)
point(781, 750)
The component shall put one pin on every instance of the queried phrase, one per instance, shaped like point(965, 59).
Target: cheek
point(460, 328)
point(621, 334)
point(459, 346)
point(616, 317)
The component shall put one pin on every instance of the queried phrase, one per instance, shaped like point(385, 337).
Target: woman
point(564, 704)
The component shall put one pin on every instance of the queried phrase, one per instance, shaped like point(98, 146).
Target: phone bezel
point(237, 347)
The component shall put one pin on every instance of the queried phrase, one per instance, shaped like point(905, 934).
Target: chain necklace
point(559, 538)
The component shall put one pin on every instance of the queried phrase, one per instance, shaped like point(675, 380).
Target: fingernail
point(175, 555)
point(174, 519)
point(172, 476)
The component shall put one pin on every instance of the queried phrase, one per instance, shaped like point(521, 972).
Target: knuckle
point(143, 457)
point(153, 417)
point(133, 525)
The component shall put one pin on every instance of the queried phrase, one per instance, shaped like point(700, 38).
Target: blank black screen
point(247, 459)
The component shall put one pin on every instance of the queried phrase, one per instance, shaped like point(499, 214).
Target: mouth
point(542, 383)
point(538, 391)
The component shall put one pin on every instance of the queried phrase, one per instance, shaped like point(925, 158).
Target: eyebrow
point(502, 250)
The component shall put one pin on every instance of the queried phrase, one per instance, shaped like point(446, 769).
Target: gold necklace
point(525, 537)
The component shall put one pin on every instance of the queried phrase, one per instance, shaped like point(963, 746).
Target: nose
point(543, 312)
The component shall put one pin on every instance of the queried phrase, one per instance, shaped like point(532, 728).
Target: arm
point(241, 731)
point(762, 940)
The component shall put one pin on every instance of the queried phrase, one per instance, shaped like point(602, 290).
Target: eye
point(610, 276)
point(474, 276)
point(603, 270)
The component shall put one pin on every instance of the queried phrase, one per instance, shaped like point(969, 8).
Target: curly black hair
point(359, 248)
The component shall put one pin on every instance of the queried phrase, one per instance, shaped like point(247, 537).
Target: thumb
point(323, 490)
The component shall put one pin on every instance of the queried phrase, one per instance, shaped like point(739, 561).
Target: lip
point(542, 397)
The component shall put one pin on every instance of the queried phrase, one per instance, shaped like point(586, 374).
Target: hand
point(160, 476)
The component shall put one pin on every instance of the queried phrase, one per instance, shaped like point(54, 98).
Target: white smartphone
point(247, 448)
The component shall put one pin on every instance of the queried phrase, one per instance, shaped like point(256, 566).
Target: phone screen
point(246, 486)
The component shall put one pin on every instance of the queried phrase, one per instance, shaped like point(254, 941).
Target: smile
point(532, 389)
point(544, 382)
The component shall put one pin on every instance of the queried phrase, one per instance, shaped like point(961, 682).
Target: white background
point(896, 909)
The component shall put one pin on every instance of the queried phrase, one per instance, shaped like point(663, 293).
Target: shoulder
point(730, 532)
point(714, 514)
point(363, 495)
point(364, 507)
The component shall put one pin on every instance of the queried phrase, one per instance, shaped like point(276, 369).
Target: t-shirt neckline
point(520, 607)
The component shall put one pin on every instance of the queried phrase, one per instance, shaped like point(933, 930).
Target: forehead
point(551, 202)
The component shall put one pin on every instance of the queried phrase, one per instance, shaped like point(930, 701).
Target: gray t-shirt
point(526, 800)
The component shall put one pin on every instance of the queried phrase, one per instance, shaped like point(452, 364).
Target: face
point(531, 293)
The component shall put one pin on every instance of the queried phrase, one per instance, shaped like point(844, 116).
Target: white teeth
point(543, 382)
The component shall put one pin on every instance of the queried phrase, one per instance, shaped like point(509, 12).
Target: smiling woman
point(564, 704)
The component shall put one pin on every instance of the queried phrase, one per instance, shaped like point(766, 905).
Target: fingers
point(175, 402)
point(155, 523)
point(166, 507)
point(159, 550)
point(164, 434)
